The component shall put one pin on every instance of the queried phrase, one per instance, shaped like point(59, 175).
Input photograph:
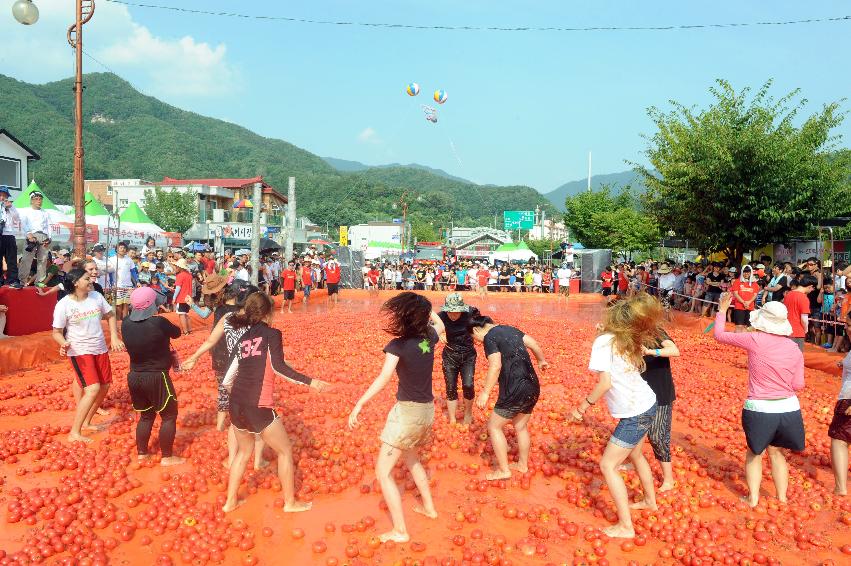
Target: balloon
point(440, 96)
point(430, 114)
point(413, 89)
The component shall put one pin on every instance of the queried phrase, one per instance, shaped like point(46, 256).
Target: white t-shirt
point(242, 274)
point(122, 266)
point(536, 279)
point(629, 395)
point(33, 220)
point(102, 274)
point(81, 321)
point(666, 281)
point(563, 275)
point(568, 255)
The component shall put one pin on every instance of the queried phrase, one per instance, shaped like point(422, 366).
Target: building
point(547, 229)
point(459, 235)
point(479, 242)
point(14, 162)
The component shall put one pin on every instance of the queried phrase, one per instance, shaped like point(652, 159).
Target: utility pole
point(290, 239)
point(403, 202)
point(255, 236)
point(589, 171)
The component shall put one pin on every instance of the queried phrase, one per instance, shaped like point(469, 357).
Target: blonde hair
point(633, 323)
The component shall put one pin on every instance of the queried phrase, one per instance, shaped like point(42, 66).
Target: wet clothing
point(658, 375)
point(257, 356)
point(416, 361)
point(519, 388)
point(219, 353)
point(149, 343)
point(459, 356)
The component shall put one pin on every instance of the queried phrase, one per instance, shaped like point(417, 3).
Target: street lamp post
point(27, 13)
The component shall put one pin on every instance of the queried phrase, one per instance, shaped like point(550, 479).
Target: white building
point(548, 230)
point(460, 235)
point(14, 161)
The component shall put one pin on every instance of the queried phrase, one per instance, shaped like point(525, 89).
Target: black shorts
point(840, 425)
point(150, 390)
point(182, 308)
point(741, 317)
point(783, 430)
point(522, 400)
point(289, 294)
point(250, 419)
point(333, 288)
point(607, 291)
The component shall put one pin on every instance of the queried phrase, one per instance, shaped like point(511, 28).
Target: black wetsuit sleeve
point(276, 358)
point(169, 329)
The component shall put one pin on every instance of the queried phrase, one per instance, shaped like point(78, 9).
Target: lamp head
point(25, 12)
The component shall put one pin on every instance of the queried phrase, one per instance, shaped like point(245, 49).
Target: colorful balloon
point(413, 89)
point(440, 96)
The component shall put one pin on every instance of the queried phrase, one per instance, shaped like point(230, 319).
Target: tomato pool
point(96, 504)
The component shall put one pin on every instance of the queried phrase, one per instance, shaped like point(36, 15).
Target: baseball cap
point(35, 194)
point(144, 302)
point(5, 189)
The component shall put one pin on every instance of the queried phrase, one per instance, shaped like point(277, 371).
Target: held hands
point(645, 351)
point(188, 363)
point(577, 416)
point(63, 349)
point(116, 345)
point(4, 308)
point(543, 365)
point(189, 301)
point(319, 385)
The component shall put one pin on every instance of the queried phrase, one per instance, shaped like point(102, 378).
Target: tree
point(541, 247)
point(173, 211)
point(627, 230)
point(582, 208)
point(740, 173)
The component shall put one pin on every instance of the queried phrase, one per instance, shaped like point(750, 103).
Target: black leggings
point(454, 364)
point(168, 428)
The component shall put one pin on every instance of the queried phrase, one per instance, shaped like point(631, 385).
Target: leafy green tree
point(627, 230)
point(581, 209)
point(542, 247)
point(741, 173)
point(173, 211)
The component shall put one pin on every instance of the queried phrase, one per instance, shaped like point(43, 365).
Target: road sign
point(344, 235)
point(518, 219)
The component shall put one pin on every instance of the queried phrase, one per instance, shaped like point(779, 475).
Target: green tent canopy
point(94, 207)
point(509, 247)
point(135, 215)
point(388, 245)
point(522, 246)
point(23, 200)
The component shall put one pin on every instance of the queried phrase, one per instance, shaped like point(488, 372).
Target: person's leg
point(500, 447)
point(468, 371)
point(387, 458)
point(244, 444)
point(102, 391)
point(168, 430)
point(41, 265)
point(524, 442)
point(779, 472)
point(143, 431)
point(3, 325)
point(418, 473)
point(26, 264)
point(275, 436)
point(10, 254)
point(87, 401)
point(184, 323)
point(839, 463)
point(660, 441)
point(259, 445)
point(612, 457)
point(645, 476)
point(753, 476)
point(450, 377)
point(233, 445)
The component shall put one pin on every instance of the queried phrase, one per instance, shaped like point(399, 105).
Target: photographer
point(35, 224)
point(10, 228)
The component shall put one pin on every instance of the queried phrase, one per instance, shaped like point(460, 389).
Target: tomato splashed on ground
point(95, 504)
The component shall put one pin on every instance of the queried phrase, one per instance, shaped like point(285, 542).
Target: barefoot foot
point(226, 464)
point(431, 514)
point(395, 537)
point(666, 486)
point(643, 505)
point(749, 502)
point(297, 507)
point(522, 468)
point(228, 507)
point(619, 531)
point(498, 475)
point(103, 412)
point(840, 492)
point(468, 419)
point(73, 437)
point(172, 461)
point(260, 465)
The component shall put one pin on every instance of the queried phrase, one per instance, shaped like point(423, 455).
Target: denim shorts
point(631, 430)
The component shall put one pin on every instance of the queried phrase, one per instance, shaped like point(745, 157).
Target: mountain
point(347, 166)
point(130, 135)
point(617, 180)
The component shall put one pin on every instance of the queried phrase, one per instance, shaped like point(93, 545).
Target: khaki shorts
point(408, 425)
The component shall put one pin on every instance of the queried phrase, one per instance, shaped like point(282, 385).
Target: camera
point(31, 246)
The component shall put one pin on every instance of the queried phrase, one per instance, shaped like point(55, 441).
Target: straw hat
point(664, 269)
point(455, 303)
point(213, 284)
point(181, 263)
point(772, 318)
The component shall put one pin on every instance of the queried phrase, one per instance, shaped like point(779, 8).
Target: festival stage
point(107, 505)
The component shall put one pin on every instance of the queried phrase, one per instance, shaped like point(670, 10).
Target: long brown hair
point(257, 308)
point(408, 315)
point(634, 323)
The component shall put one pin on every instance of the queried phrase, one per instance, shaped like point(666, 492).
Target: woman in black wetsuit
point(459, 355)
point(509, 364)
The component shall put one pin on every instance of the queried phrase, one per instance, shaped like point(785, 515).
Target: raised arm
point(742, 339)
point(390, 362)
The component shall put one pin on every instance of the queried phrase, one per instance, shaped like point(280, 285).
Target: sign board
point(518, 219)
point(344, 236)
point(273, 229)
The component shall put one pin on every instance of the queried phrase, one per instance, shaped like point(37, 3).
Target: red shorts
point(92, 368)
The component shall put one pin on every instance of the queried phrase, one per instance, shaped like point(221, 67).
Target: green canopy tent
point(23, 200)
point(93, 206)
point(134, 218)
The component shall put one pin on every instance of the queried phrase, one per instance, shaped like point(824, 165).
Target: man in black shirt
point(148, 341)
point(715, 282)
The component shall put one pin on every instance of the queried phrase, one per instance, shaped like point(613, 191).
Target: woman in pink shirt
point(771, 417)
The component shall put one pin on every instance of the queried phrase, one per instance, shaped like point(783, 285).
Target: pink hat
point(144, 303)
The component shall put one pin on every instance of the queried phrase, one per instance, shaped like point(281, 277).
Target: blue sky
point(523, 108)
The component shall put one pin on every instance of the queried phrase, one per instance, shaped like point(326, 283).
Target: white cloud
point(368, 135)
point(172, 67)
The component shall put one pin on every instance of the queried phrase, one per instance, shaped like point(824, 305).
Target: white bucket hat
point(772, 318)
